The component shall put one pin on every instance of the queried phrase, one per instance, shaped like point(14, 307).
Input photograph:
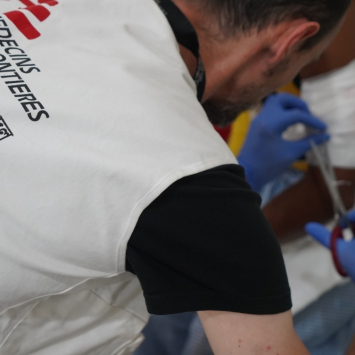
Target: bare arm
point(309, 200)
point(244, 334)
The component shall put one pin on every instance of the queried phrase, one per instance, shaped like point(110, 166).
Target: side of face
point(269, 71)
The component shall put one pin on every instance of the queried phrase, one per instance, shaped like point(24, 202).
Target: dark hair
point(244, 15)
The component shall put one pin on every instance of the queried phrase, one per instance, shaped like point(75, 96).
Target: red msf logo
point(20, 20)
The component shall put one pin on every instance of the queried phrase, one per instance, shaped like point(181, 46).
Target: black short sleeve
point(204, 244)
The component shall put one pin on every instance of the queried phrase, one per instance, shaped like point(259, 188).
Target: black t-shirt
point(204, 244)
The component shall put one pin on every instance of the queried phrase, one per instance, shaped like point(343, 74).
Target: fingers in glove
point(297, 116)
point(287, 101)
point(344, 221)
point(304, 145)
point(319, 232)
point(351, 216)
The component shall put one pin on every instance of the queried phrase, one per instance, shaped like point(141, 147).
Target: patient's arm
point(237, 333)
point(309, 200)
point(351, 350)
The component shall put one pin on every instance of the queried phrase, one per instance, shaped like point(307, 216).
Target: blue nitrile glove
point(346, 250)
point(265, 154)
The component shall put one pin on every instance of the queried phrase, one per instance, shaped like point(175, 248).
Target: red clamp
point(336, 235)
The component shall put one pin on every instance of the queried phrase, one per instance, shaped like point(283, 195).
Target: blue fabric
point(272, 189)
point(327, 326)
point(196, 342)
point(166, 335)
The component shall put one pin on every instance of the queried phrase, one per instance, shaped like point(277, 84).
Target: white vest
point(123, 125)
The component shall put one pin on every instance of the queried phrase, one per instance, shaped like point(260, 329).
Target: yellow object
point(239, 131)
point(290, 88)
point(300, 165)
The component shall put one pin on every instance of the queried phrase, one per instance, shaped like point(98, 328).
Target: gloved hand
point(346, 250)
point(265, 154)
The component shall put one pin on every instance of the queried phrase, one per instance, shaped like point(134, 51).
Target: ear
point(294, 35)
